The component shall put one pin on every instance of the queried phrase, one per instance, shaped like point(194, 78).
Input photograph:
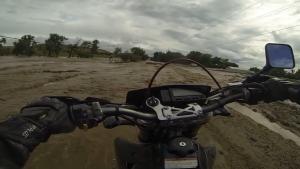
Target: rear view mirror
point(279, 56)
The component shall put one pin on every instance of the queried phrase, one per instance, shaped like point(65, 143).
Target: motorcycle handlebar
point(115, 111)
point(222, 102)
point(88, 115)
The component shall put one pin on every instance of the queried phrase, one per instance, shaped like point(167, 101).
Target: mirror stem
point(265, 69)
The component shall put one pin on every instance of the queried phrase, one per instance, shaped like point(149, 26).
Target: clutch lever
point(222, 111)
point(114, 121)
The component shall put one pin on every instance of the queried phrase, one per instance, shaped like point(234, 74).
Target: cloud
point(175, 34)
point(233, 29)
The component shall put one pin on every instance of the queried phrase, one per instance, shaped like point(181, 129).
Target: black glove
point(20, 134)
point(37, 121)
point(276, 90)
point(88, 113)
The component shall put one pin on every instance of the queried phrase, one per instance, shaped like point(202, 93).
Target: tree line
point(205, 59)
point(55, 45)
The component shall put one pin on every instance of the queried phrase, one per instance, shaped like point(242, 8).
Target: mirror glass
point(280, 56)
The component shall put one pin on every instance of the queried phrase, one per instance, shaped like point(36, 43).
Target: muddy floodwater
point(242, 142)
point(260, 119)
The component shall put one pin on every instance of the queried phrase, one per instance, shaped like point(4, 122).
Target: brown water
point(241, 142)
point(259, 118)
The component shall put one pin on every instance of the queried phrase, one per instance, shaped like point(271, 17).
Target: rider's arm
point(12, 155)
point(294, 93)
point(281, 90)
point(19, 135)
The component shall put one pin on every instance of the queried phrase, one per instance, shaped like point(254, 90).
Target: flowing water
point(259, 118)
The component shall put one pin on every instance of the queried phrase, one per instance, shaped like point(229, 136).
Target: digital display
point(176, 92)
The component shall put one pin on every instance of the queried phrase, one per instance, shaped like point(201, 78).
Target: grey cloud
point(175, 34)
point(207, 13)
point(249, 31)
point(213, 26)
point(277, 37)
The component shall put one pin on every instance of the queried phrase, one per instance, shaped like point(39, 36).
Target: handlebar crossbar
point(115, 111)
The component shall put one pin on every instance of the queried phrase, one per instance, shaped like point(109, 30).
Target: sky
point(233, 29)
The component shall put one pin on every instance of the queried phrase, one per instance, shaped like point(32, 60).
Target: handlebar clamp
point(173, 113)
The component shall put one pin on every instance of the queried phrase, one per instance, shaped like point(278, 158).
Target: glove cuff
point(13, 153)
point(23, 131)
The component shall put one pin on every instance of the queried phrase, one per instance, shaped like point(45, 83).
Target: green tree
point(85, 50)
point(117, 51)
point(209, 61)
point(86, 44)
point(168, 56)
point(139, 52)
point(254, 69)
point(194, 55)
point(54, 44)
point(173, 55)
point(230, 64)
point(204, 59)
point(126, 57)
point(2, 43)
point(24, 46)
point(40, 50)
point(157, 56)
point(72, 49)
point(218, 62)
point(95, 46)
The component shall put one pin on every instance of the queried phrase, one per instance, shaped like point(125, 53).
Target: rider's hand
point(37, 121)
point(276, 90)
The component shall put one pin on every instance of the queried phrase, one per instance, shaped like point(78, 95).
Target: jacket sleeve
point(12, 155)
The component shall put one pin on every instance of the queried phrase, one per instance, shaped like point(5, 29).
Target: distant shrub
point(5, 51)
point(165, 57)
point(254, 69)
point(24, 46)
point(130, 57)
point(117, 51)
point(54, 44)
point(140, 54)
point(125, 57)
point(209, 61)
point(84, 54)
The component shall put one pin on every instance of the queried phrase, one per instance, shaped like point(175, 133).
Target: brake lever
point(173, 113)
point(222, 111)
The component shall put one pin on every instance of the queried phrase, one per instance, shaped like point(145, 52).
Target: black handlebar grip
point(294, 93)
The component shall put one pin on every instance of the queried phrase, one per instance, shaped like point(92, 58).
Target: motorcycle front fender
point(137, 155)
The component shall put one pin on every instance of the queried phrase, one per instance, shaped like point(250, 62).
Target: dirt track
point(241, 143)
